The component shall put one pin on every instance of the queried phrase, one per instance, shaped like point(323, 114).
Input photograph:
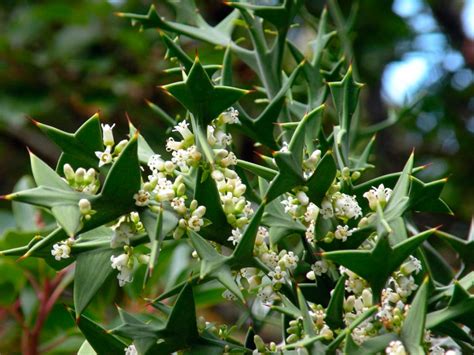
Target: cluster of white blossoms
point(125, 264)
point(62, 250)
point(236, 207)
point(110, 152)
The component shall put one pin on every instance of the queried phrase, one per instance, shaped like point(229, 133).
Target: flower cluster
point(62, 250)
point(125, 264)
point(81, 180)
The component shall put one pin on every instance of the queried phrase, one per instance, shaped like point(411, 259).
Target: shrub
point(295, 237)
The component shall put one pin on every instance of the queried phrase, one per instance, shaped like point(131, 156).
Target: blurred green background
point(62, 61)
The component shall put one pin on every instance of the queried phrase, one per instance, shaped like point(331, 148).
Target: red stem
point(47, 297)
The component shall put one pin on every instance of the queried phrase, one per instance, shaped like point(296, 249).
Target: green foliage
point(332, 258)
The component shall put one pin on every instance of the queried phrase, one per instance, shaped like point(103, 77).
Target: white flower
point(278, 276)
point(105, 157)
point(235, 237)
point(179, 205)
point(270, 258)
point(354, 283)
point(410, 266)
point(195, 223)
point(320, 267)
point(107, 135)
point(342, 232)
point(309, 233)
point(312, 212)
point(284, 148)
point(290, 206)
point(125, 276)
point(131, 350)
point(124, 264)
point(395, 347)
point(405, 285)
point(346, 207)
point(302, 198)
point(312, 161)
point(266, 294)
point(262, 235)
point(182, 128)
point(171, 144)
point(62, 250)
point(230, 116)
point(223, 139)
point(378, 195)
point(289, 260)
point(142, 198)
point(155, 162)
point(229, 296)
point(326, 208)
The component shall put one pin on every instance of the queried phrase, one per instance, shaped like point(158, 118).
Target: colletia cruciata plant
point(295, 239)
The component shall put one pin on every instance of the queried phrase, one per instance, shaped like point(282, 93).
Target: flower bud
point(231, 219)
point(120, 146)
point(107, 135)
point(169, 166)
point(89, 177)
point(181, 189)
point(199, 212)
point(69, 173)
point(260, 345)
point(143, 259)
point(217, 175)
point(80, 175)
point(230, 174)
point(240, 190)
point(241, 222)
point(84, 206)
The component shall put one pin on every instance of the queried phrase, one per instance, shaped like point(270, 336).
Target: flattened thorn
point(35, 122)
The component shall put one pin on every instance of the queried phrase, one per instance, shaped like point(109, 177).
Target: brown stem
point(47, 297)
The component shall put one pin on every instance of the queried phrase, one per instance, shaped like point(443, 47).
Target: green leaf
point(68, 217)
point(345, 94)
point(258, 170)
point(207, 195)
point(321, 180)
point(348, 330)
point(123, 179)
point(399, 198)
point(335, 310)
point(11, 282)
point(98, 338)
point(373, 345)
point(289, 176)
point(201, 97)
point(280, 16)
point(459, 309)
point(376, 265)
point(45, 176)
point(181, 324)
point(244, 249)
point(78, 148)
point(144, 150)
point(92, 270)
point(413, 328)
point(308, 325)
point(26, 216)
point(261, 128)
